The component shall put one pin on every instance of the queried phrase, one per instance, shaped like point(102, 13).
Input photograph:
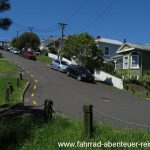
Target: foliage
point(108, 67)
point(62, 129)
point(25, 133)
point(143, 80)
point(27, 40)
point(84, 50)
point(52, 50)
point(5, 22)
point(45, 52)
point(53, 47)
point(44, 59)
point(1, 56)
point(138, 87)
point(15, 97)
point(15, 130)
point(7, 67)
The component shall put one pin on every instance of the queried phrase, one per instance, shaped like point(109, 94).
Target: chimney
point(125, 41)
point(98, 37)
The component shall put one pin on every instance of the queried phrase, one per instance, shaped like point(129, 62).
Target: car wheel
point(79, 78)
point(59, 69)
point(68, 73)
point(51, 67)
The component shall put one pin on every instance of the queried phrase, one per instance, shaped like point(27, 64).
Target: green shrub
point(108, 67)
point(1, 55)
point(45, 52)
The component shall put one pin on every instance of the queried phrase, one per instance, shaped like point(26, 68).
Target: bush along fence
point(10, 89)
point(138, 86)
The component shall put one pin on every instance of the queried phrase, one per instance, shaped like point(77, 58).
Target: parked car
point(16, 51)
point(59, 65)
point(80, 73)
point(29, 54)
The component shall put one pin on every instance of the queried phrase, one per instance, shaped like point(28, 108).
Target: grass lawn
point(6, 66)
point(16, 96)
point(44, 59)
point(26, 134)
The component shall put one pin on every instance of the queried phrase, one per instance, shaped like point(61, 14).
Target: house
point(108, 46)
point(46, 43)
point(133, 60)
point(5, 44)
point(53, 42)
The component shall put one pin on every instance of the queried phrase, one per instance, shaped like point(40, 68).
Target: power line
point(77, 10)
point(101, 14)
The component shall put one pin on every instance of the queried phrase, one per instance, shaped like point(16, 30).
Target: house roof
point(49, 41)
point(109, 41)
point(132, 46)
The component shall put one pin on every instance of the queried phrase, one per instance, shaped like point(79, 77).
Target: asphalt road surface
point(112, 106)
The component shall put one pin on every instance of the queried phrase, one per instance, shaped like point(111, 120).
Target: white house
point(108, 46)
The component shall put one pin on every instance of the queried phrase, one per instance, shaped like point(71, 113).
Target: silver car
point(59, 65)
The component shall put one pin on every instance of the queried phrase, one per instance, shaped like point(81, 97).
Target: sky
point(113, 19)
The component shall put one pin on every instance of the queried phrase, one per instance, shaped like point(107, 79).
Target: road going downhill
point(110, 105)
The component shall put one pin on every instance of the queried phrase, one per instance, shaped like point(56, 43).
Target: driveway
point(110, 105)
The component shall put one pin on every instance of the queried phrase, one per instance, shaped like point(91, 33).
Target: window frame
point(124, 62)
point(108, 49)
point(131, 65)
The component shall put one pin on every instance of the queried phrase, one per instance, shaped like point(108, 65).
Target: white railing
point(53, 56)
point(103, 76)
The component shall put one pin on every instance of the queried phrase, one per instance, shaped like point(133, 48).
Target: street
point(110, 105)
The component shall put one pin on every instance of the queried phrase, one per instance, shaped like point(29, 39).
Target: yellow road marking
point(34, 87)
point(32, 94)
point(32, 75)
point(36, 81)
point(34, 102)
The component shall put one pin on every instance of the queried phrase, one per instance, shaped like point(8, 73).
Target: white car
point(14, 50)
point(59, 65)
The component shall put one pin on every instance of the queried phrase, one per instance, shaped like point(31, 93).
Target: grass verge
point(6, 66)
point(44, 59)
point(17, 93)
point(26, 134)
point(65, 130)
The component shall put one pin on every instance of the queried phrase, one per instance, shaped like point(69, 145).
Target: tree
point(5, 22)
point(84, 50)
point(27, 40)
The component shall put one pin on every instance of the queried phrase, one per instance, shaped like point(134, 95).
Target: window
point(57, 61)
point(106, 51)
point(125, 62)
point(135, 61)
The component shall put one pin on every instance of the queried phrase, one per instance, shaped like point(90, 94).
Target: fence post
point(88, 119)
point(17, 82)
point(20, 75)
point(7, 95)
point(48, 110)
point(11, 89)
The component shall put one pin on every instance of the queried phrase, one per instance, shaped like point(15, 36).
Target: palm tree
point(5, 22)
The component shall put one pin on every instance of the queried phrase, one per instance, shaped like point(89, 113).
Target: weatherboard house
point(133, 60)
point(108, 46)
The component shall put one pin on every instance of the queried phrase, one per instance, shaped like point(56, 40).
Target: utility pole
point(62, 26)
point(31, 28)
point(17, 34)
